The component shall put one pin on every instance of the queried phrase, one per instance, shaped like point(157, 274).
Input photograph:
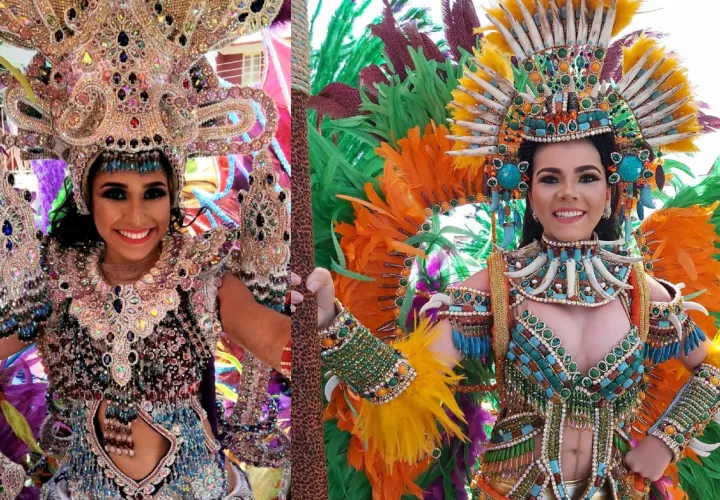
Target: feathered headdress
point(553, 92)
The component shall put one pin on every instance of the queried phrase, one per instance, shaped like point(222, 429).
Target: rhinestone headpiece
point(129, 76)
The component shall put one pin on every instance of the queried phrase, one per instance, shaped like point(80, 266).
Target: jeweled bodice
point(545, 392)
point(141, 349)
point(539, 367)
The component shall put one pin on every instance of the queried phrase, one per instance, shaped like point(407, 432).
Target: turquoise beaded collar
point(589, 273)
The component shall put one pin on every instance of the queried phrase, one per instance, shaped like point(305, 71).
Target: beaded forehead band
point(539, 77)
point(129, 76)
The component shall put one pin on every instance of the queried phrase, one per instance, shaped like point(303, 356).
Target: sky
point(691, 26)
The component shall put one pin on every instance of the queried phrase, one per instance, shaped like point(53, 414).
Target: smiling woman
point(128, 308)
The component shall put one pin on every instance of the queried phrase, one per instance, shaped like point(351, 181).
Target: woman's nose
point(568, 191)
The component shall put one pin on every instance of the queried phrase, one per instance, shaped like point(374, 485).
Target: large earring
point(608, 210)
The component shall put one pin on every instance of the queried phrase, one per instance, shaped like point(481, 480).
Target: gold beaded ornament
point(538, 76)
point(129, 76)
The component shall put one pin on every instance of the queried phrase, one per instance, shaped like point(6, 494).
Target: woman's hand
point(649, 458)
point(321, 284)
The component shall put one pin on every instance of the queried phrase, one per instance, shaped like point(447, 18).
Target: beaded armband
point(691, 411)
point(671, 327)
point(370, 367)
point(471, 319)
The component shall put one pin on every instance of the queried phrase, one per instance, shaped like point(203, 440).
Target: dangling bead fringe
point(472, 347)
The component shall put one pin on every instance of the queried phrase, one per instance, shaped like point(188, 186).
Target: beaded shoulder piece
point(469, 312)
point(262, 253)
point(24, 298)
point(118, 316)
point(671, 328)
point(589, 273)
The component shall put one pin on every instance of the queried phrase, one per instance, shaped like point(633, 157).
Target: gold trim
point(644, 296)
point(499, 305)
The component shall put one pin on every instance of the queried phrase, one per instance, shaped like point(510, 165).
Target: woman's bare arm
point(11, 346)
point(257, 328)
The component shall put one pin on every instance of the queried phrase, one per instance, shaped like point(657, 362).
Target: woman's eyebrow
point(558, 171)
point(155, 184)
point(114, 184)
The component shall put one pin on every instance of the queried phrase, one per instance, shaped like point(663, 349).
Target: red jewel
point(134, 122)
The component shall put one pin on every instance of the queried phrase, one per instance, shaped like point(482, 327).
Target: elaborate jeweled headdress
point(128, 77)
point(539, 77)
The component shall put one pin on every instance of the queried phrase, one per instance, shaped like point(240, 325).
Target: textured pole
point(309, 477)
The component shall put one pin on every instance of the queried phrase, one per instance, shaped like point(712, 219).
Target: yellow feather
point(626, 10)
point(632, 54)
point(493, 58)
point(713, 357)
point(24, 83)
point(406, 428)
point(19, 426)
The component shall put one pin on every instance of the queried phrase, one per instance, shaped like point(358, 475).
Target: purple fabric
point(208, 398)
point(50, 175)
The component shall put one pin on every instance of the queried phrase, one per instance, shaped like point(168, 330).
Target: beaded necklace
point(589, 273)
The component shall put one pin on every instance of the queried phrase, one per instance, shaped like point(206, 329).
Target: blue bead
point(509, 176)
point(630, 168)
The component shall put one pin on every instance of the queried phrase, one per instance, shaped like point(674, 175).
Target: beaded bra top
point(547, 392)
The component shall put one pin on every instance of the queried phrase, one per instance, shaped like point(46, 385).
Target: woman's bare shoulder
point(479, 281)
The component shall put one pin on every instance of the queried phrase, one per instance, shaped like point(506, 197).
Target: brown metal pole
point(309, 477)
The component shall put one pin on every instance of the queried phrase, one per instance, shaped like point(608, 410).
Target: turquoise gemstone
point(630, 168)
point(509, 176)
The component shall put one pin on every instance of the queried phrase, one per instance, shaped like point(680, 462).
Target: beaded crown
point(540, 76)
point(129, 76)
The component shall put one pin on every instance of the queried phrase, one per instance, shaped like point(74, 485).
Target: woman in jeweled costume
point(126, 310)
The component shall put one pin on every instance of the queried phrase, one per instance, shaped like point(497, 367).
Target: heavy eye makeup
point(585, 175)
point(120, 194)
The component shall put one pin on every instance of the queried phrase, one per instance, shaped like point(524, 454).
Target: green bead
point(610, 358)
point(393, 382)
point(529, 66)
point(562, 53)
point(518, 101)
point(565, 393)
point(594, 372)
point(565, 80)
point(679, 439)
point(592, 79)
point(599, 53)
point(547, 334)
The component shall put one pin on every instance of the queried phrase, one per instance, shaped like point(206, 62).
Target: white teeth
point(568, 214)
point(135, 236)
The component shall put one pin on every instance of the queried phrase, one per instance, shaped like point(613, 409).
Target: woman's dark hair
point(606, 229)
point(75, 230)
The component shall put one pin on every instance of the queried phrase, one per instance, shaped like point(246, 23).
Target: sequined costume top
point(141, 348)
point(542, 388)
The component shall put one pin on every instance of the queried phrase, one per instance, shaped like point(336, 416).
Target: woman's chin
point(569, 232)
